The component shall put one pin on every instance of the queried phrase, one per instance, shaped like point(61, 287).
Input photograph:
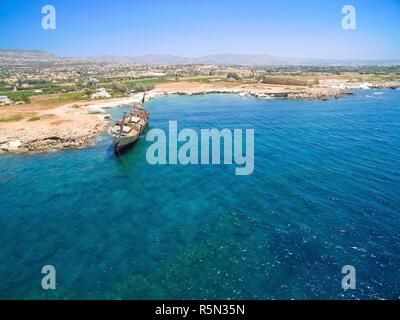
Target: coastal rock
point(11, 146)
point(318, 94)
point(95, 110)
point(104, 116)
point(54, 140)
point(308, 94)
point(386, 85)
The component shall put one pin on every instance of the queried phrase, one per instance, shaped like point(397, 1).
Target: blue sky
point(292, 28)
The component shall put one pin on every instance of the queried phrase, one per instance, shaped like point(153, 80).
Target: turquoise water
point(324, 194)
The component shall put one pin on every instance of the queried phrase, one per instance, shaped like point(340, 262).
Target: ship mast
point(122, 124)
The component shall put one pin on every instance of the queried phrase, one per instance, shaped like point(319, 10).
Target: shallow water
point(324, 194)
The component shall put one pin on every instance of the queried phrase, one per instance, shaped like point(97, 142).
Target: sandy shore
point(35, 128)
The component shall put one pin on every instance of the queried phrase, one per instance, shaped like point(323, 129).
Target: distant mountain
point(20, 56)
point(245, 59)
point(26, 56)
point(153, 59)
point(218, 59)
point(241, 59)
point(263, 59)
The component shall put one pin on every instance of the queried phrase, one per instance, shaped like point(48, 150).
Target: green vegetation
point(34, 118)
point(36, 84)
point(13, 118)
point(72, 96)
point(59, 89)
point(119, 87)
point(204, 79)
point(142, 87)
point(149, 83)
point(284, 81)
point(18, 95)
point(25, 94)
point(64, 98)
point(233, 75)
point(116, 94)
point(3, 86)
point(138, 85)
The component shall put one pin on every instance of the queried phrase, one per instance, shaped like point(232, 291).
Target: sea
point(324, 194)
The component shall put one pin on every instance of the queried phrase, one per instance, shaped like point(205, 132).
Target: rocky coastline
point(307, 94)
point(52, 140)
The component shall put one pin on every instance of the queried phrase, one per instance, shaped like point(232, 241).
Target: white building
point(101, 93)
point(155, 74)
point(4, 100)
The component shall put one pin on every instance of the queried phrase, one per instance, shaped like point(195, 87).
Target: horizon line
point(191, 57)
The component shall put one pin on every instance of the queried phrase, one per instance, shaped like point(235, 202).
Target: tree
point(120, 87)
point(233, 75)
point(88, 91)
point(143, 87)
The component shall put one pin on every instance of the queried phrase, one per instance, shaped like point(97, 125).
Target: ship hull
point(124, 142)
point(126, 132)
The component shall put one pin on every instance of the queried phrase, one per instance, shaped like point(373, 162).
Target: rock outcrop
point(319, 94)
point(386, 85)
point(52, 140)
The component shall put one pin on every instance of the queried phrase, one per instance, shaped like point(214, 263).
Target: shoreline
point(80, 127)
